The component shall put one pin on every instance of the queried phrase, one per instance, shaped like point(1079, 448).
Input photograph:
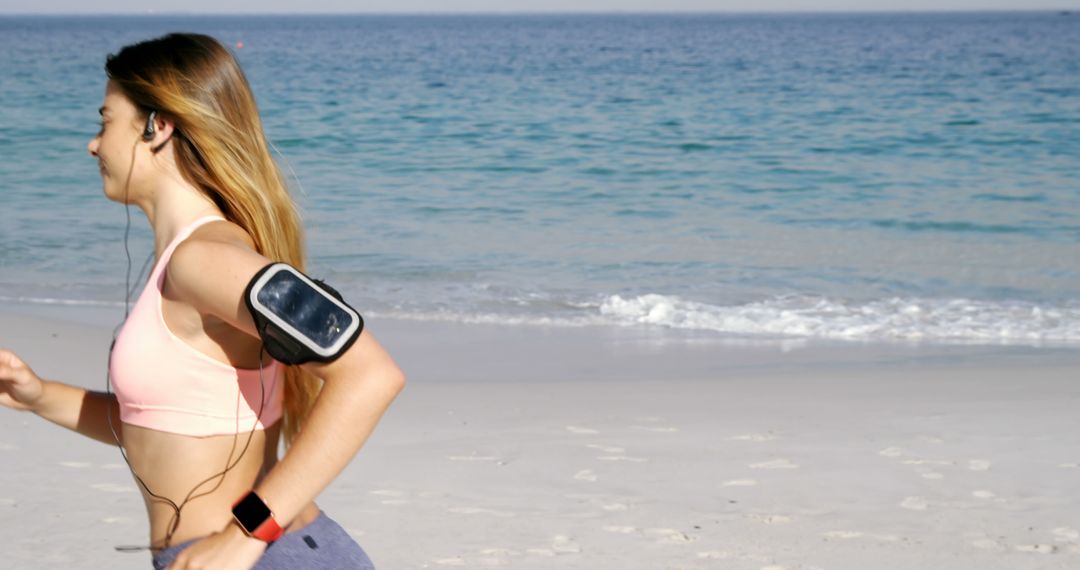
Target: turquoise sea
point(886, 177)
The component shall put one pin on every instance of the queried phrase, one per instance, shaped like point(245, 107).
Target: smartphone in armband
point(300, 319)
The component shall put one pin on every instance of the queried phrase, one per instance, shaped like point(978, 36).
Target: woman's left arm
point(358, 388)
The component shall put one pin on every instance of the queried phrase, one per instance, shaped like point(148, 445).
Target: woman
point(199, 407)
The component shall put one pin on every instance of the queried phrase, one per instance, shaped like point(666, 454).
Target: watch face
point(251, 512)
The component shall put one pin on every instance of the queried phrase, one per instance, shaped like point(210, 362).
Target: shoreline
point(704, 350)
point(538, 448)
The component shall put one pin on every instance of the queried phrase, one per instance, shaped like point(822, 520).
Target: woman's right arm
point(72, 407)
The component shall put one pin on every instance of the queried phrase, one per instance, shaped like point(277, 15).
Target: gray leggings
point(321, 544)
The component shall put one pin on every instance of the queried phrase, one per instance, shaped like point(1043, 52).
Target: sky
point(503, 6)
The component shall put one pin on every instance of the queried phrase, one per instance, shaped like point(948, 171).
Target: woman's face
point(116, 145)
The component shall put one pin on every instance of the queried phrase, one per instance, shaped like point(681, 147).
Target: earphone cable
point(174, 521)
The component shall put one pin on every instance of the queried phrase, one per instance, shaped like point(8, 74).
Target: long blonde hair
point(222, 150)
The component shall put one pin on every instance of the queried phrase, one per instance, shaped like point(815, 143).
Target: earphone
point(148, 132)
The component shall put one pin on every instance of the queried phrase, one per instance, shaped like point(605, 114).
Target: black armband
point(300, 319)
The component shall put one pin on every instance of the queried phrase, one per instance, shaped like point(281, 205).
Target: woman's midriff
point(174, 466)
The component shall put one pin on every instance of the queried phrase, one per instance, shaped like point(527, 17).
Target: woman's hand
point(20, 388)
point(229, 549)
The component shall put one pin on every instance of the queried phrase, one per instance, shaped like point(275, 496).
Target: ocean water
point(883, 177)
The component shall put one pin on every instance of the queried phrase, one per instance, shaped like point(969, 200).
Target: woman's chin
point(113, 194)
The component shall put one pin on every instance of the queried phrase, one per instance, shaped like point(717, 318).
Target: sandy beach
point(530, 447)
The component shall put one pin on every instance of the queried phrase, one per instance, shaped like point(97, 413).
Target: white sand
point(598, 448)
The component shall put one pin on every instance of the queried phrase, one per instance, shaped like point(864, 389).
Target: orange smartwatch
point(252, 514)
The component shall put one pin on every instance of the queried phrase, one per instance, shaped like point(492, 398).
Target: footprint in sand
point(774, 464)
point(754, 437)
point(669, 536)
point(932, 475)
point(848, 534)
point(540, 552)
point(622, 458)
point(1065, 534)
point(581, 430)
point(775, 519)
point(843, 534)
point(615, 507)
point(891, 452)
point(927, 462)
point(1037, 548)
point(914, 504)
point(116, 520)
point(740, 483)
point(658, 429)
point(387, 493)
point(979, 465)
point(455, 561)
point(605, 448)
point(497, 556)
point(585, 475)
point(479, 511)
point(983, 494)
point(1070, 466)
point(619, 529)
point(74, 464)
point(714, 555)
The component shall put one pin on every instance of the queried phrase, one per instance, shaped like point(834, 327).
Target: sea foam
point(946, 321)
point(960, 320)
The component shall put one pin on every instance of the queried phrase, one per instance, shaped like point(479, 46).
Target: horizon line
point(1061, 10)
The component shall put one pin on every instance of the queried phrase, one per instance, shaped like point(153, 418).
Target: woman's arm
point(74, 408)
point(358, 389)
point(210, 271)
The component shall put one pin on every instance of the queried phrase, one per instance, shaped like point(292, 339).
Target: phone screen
point(305, 308)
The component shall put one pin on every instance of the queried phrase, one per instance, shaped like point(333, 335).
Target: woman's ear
point(163, 130)
point(159, 130)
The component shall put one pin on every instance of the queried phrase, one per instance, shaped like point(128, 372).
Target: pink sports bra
point(163, 383)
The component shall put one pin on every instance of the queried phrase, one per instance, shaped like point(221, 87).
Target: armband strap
point(300, 319)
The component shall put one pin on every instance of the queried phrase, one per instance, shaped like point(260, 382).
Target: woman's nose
point(92, 146)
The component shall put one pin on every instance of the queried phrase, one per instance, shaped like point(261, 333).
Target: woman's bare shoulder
point(211, 268)
point(220, 231)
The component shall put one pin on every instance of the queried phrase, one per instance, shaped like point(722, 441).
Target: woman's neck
point(173, 208)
